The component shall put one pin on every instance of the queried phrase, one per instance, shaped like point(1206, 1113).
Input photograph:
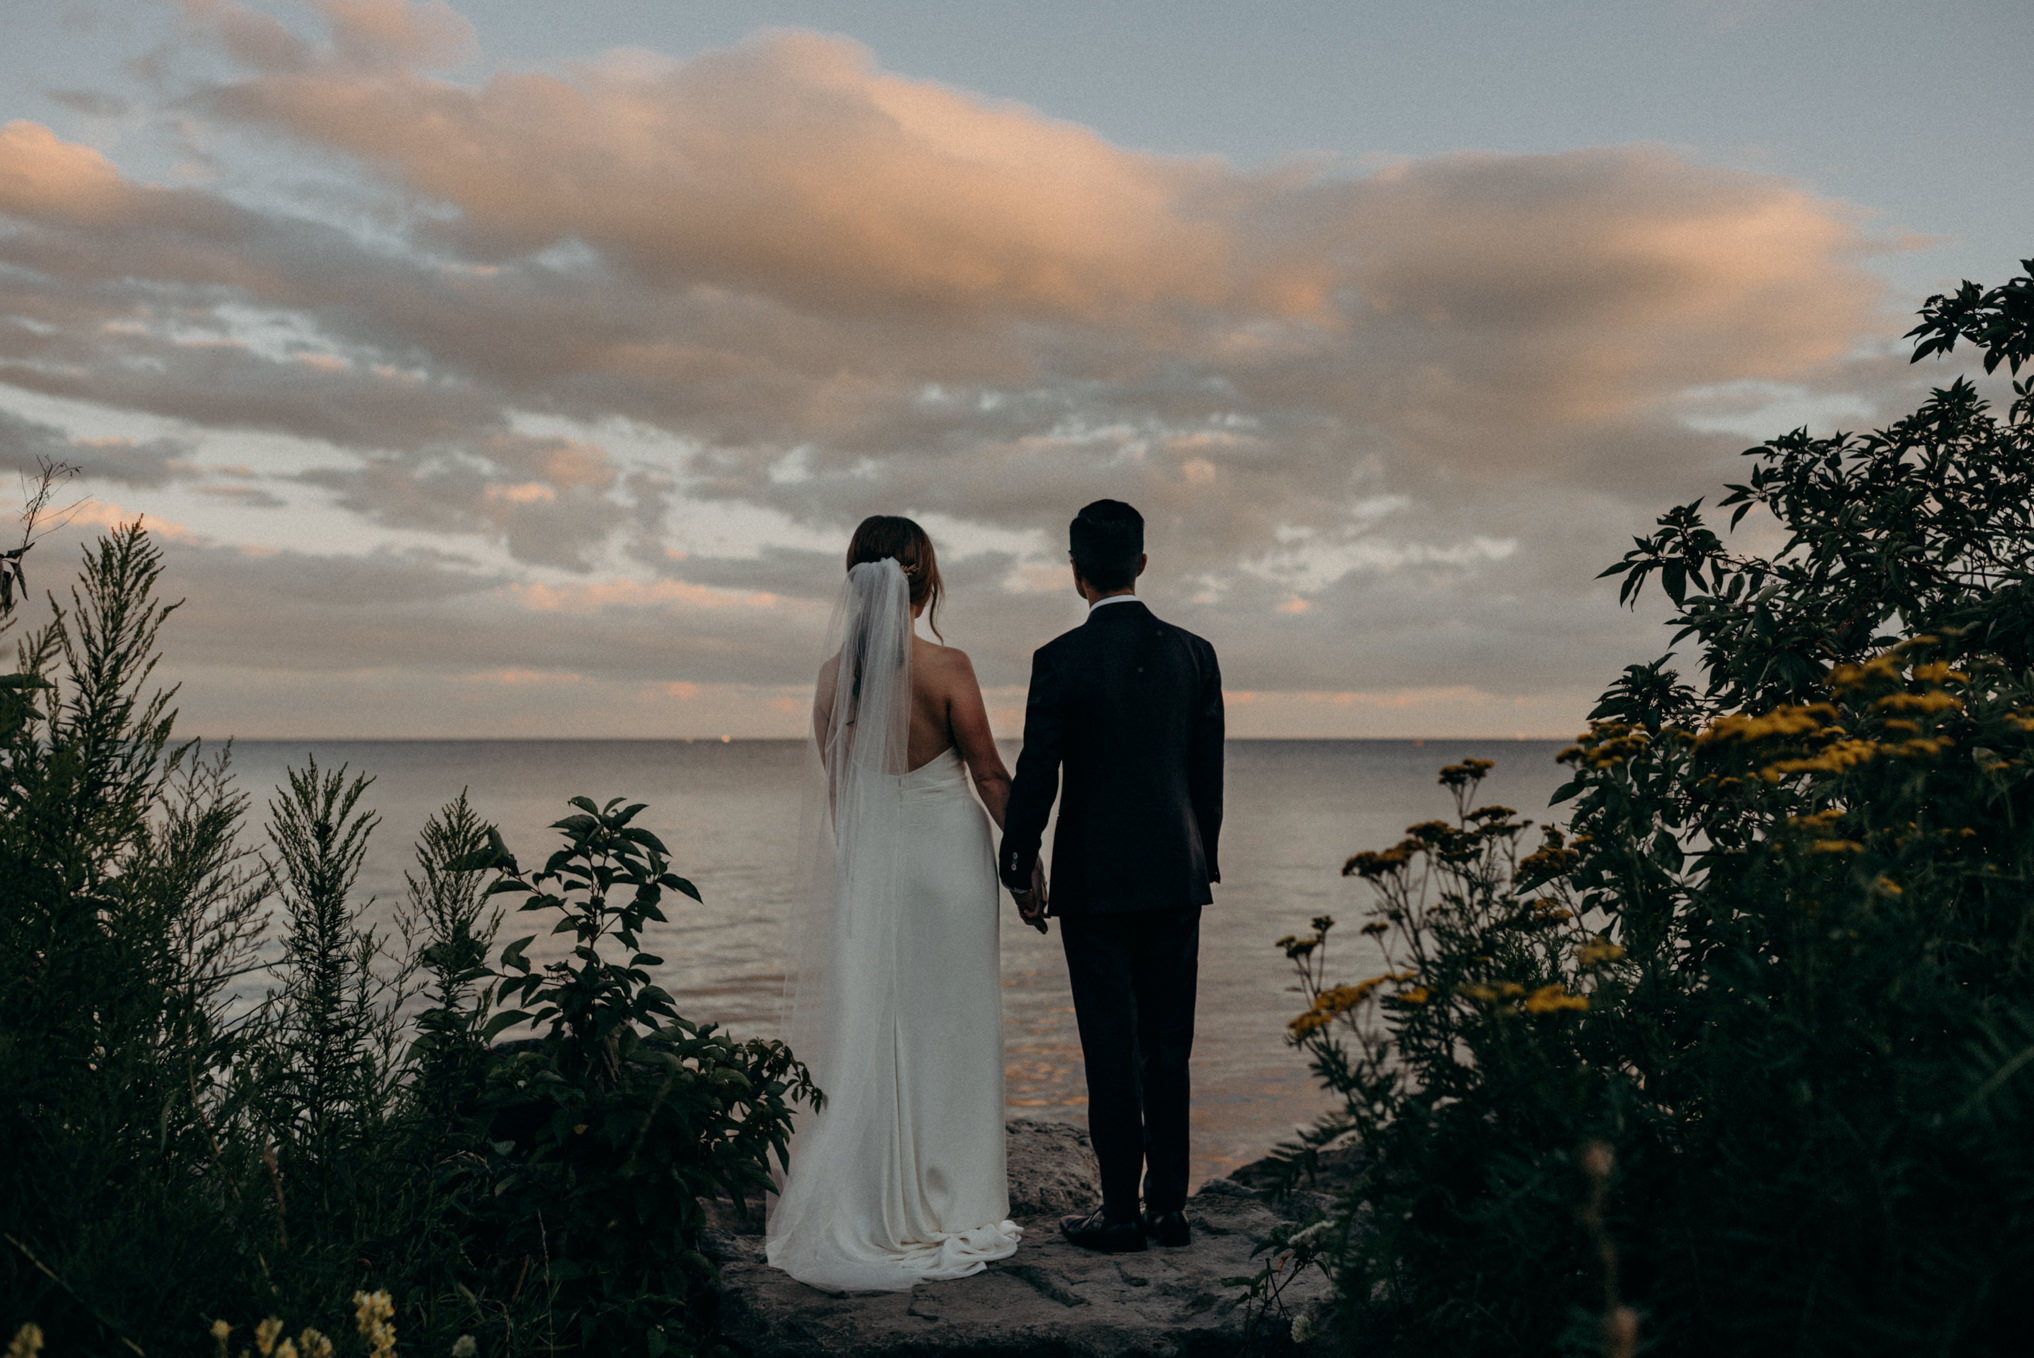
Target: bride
point(894, 983)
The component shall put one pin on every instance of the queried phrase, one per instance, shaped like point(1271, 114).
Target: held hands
point(1032, 905)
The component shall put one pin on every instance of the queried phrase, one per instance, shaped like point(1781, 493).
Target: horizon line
point(1513, 739)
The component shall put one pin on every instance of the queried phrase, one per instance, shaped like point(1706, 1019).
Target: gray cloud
point(148, 464)
point(1414, 409)
point(93, 103)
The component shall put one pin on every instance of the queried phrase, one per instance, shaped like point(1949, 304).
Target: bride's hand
point(1032, 904)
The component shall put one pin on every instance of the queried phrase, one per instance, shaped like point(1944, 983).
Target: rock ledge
point(1049, 1300)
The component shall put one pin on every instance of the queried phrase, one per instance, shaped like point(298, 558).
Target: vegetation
point(1742, 1059)
point(229, 1099)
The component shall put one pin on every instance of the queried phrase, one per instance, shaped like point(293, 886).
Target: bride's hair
point(892, 535)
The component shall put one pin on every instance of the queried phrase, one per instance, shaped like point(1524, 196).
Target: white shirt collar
point(1106, 600)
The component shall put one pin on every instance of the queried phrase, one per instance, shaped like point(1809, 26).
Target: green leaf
point(1674, 580)
point(501, 1023)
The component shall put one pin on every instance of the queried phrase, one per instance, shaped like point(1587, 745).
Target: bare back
point(946, 713)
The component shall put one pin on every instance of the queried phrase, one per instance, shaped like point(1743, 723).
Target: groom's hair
point(893, 535)
point(1106, 539)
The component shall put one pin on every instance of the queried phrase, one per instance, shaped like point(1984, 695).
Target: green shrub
point(180, 1160)
point(1739, 1060)
point(607, 1136)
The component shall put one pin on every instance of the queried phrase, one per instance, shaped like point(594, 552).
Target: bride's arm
point(822, 708)
point(969, 721)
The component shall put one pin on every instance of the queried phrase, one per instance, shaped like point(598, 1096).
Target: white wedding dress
point(896, 990)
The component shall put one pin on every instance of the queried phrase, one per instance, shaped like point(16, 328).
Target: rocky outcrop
point(1049, 1300)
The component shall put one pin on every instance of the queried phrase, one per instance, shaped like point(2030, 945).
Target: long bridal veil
point(862, 729)
point(843, 956)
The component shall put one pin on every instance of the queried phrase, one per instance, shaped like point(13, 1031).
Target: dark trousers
point(1133, 981)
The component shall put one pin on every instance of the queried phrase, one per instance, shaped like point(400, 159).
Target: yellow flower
point(1922, 748)
point(1306, 1025)
point(1835, 758)
point(1550, 860)
point(265, 1335)
point(1338, 1000)
point(1467, 772)
point(220, 1329)
point(464, 1347)
point(1885, 667)
point(1490, 994)
point(286, 1349)
point(1836, 846)
point(1375, 865)
point(1939, 672)
point(1597, 951)
point(371, 1312)
point(27, 1341)
point(1786, 720)
point(314, 1345)
point(1411, 997)
point(1935, 700)
point(1549, 999)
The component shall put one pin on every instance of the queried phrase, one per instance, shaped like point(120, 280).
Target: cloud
point(92, 103)
point(545, 499)
point(26, 443)
point(827, 242)
point(1385, 425)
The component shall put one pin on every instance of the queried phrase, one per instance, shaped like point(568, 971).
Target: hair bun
point(889, 536)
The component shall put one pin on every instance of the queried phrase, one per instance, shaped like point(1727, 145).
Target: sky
point(508, 368)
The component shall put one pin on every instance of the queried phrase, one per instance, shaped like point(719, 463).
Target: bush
point(181, 1162)
point(606, 1137)
point(1739, 1060)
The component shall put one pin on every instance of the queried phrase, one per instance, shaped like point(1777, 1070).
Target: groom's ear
point(1142, 562)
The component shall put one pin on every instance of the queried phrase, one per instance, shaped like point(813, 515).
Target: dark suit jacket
point(1131, 707)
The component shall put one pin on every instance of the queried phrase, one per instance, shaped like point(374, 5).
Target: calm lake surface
point(730, 814)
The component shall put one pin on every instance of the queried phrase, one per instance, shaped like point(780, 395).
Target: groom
point(1132, 708)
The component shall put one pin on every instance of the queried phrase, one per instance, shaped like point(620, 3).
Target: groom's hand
point(1031, 905)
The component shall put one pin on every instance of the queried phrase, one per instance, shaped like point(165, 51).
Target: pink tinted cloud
point(817, 239)
point(840, 290)
point(791, 166)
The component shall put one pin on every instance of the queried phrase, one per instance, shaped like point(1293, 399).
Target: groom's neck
point(1095, 596)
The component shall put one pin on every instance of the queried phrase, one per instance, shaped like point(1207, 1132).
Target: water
point(730, 814)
